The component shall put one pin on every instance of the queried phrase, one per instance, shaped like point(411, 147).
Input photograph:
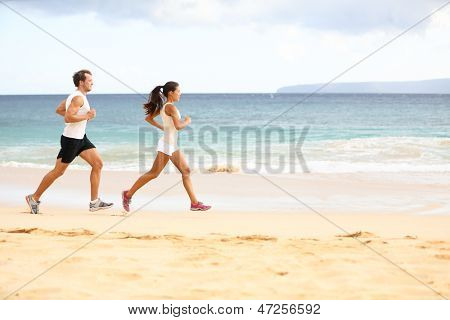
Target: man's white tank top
point(170, 132)
point(77, 130)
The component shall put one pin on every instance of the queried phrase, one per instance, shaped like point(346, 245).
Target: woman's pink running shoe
point(199, 206)
point(126, 201)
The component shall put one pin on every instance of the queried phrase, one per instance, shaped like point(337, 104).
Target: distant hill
point(437, 86)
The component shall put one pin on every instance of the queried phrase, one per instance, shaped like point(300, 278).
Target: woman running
point(167, 145)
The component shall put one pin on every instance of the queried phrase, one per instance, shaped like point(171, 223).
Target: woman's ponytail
point(157, 96)
point(155, 101)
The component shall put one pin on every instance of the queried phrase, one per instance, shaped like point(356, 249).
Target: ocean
point(326, 133)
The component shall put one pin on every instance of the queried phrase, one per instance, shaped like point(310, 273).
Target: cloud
point(346, 16)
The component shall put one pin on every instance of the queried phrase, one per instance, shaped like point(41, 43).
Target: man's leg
point(92, 157)
point(49, 178)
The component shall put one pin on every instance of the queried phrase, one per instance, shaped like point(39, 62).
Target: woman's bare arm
point(171, 110)
point(151, 119)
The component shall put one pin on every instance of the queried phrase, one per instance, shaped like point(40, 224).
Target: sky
point(217, 46)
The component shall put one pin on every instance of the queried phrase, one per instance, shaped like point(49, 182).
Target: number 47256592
point(285, 308)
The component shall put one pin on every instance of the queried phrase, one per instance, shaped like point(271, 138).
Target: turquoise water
point(344, 132)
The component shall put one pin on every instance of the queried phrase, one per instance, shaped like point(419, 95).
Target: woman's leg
point(179, 161)
point(158, 165)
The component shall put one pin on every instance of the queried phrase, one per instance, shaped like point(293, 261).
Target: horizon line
point(243, 93)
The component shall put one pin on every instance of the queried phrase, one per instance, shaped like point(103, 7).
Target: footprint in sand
point(23, 230)
point(173, 237)
point(116, 235)
point(240, 239)
point(73, 233)
point(442, 256)
point(125, 235)
point(64, 233)
point(436, 242)
point(358, 234)
point(256, 237)
point(278, 273)
point(147, 237)
point(141, 237)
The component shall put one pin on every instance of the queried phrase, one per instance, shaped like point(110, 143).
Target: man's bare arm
point(61, 109)
point(71, 113)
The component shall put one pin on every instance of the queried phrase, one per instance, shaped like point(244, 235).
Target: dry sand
point(256, 243)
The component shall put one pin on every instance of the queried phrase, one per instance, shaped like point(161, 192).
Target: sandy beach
point(332, 236)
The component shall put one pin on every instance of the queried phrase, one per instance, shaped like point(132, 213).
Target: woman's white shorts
point(166, 148)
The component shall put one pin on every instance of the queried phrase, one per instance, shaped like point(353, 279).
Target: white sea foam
point(382, 154)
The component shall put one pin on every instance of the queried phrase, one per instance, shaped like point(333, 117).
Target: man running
point(76, 112)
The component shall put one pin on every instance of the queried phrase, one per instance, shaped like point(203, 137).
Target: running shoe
point(126, 201)
point(34, 205)
point(99, 205)
point(199, 206)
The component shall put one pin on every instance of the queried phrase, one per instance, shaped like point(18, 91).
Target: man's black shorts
point(71, 148)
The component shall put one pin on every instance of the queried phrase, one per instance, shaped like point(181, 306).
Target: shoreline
point(414, 193)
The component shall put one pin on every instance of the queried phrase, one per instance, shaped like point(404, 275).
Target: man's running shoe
point(34, 205)
point(99, 205)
